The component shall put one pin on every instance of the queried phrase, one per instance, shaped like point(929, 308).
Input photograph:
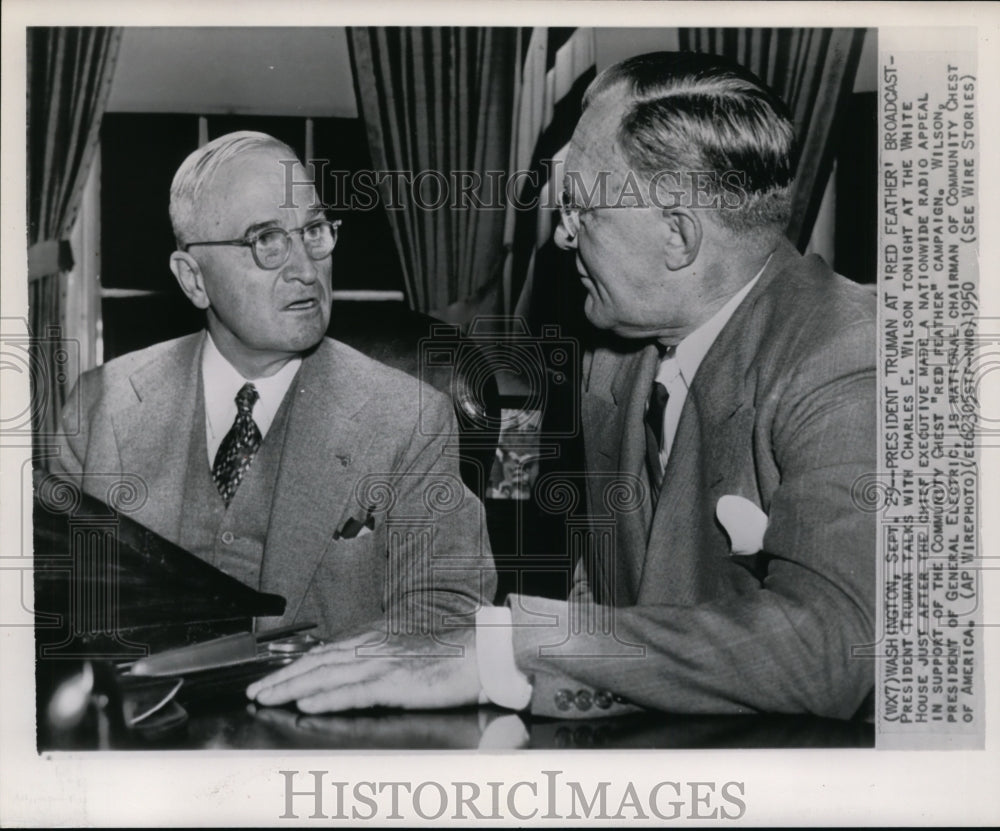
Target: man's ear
point(683, 237)
point(189, 276)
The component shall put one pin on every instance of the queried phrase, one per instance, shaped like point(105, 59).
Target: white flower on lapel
point(744, 522)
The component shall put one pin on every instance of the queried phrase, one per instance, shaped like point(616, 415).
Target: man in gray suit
point(735, 401)
point(282, 457)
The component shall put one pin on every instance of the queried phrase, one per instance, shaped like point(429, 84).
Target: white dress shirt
point(494, 639)
point(678, 366)
point(221, 381)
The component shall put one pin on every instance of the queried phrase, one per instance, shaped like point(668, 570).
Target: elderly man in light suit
point(735, 394)
point(284, 458)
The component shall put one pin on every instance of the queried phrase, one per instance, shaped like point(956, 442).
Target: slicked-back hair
point(198, 169)
point(692, 112)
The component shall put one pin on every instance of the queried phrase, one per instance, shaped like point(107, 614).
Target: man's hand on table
point(370, 670)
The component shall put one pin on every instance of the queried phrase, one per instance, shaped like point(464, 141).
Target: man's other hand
point(369, 670)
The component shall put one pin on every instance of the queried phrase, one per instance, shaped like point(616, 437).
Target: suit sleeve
point(72, 436)
point(441, 566)
point(791, 643)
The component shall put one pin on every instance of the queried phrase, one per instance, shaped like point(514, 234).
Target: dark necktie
point(655, 409)
point(239, 446)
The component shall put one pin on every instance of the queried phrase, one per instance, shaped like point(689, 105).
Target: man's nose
point(300, 266)
point(563, 238)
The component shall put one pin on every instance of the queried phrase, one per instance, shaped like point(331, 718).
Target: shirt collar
point(221, 381)
point(691, 351)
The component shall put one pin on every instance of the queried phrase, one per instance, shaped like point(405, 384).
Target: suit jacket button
point(228, 537)
point(563, 699)
point(603, 699)
point(584, 700)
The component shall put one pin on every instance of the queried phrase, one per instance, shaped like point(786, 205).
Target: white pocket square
point(744, 522)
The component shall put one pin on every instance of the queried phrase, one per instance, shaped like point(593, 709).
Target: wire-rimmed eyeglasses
point(569, 214)
point(271, 246)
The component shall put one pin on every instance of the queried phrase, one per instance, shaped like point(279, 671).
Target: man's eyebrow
point(312, 216)
point(260, 226)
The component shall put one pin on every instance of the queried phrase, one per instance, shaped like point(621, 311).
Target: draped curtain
point(557, 66)
point(436, 104)
point(812, 71)
point(70, 72)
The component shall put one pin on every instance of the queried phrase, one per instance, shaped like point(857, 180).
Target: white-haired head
point(198, 169)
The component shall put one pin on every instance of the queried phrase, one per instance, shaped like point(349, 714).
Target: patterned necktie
point(239, 446)
point(655, 409)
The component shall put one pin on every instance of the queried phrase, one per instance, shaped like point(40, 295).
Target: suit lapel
point(715, 429)
point(320, 462)
point(153, 434)
point(617, 391)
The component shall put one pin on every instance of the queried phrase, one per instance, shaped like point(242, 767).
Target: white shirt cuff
point(501, 682)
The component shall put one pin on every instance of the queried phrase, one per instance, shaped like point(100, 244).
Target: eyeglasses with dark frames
point(271, 247)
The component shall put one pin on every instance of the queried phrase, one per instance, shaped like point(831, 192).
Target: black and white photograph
point(469, 418)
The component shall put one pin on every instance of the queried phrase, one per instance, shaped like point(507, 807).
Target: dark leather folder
point(109, 592)
point(107, 587)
